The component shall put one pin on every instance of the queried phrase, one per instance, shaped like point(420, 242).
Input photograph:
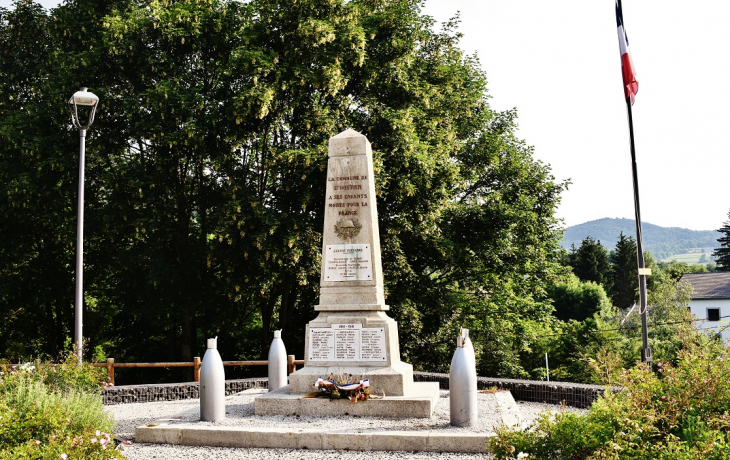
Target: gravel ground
point(239, 409)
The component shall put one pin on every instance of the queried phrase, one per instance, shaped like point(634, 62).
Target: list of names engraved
point(372, 344)
point(321, 344)
point(348, 262)
point(347, 342)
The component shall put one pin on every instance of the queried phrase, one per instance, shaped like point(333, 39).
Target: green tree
point(188, 171)
point(488, 265)
point(722, 254)
point(577, 300)
point(206, 175)
point(675, 269)
point(37, 189)
point(624, 290)
point(667, 301)
point(583, 329)
point(576, 344)
point(590, 262)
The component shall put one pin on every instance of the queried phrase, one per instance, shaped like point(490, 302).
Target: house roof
point(709, 285)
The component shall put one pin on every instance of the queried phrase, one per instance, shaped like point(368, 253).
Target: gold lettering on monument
point(347, 205)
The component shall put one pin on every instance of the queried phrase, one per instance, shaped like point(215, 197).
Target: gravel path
point(239, 409)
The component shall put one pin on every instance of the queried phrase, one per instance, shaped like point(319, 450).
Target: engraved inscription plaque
point(347, 342)
point(348, 262)
point(372, 344)
point(321, 344)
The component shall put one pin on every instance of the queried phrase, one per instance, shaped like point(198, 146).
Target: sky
point(558, 64)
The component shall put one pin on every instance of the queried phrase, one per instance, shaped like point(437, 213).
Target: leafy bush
point(53, 411)
point(681, 411)
point(60, 377)
point(576, 299)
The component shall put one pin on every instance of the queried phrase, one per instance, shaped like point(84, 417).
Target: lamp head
point(83, 98)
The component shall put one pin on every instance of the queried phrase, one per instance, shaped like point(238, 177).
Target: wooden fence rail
point(110, 365)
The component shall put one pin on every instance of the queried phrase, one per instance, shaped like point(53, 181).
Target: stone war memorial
point(352, 335)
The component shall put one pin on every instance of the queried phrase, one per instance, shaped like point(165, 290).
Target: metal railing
point(111, 365)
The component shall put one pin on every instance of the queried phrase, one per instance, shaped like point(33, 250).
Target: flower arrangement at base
point(341, 389)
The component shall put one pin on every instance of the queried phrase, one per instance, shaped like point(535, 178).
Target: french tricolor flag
point(631, 84)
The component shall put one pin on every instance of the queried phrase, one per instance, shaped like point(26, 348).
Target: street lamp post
point(83, 98)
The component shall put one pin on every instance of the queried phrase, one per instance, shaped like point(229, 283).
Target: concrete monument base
point(395, 380)
point(242, 429)
point(387, 374)
point(419, 403)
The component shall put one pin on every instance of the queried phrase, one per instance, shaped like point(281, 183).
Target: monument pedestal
point(395, 380)
point(352, 338)
point(353, 345)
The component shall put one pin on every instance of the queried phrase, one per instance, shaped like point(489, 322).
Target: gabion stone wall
point(171, 391)
point(579, 395)
point(571, 394)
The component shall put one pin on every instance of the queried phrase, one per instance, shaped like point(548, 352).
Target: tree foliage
point(624, 290)
point(591, 262)
point(206, 174)
point(675, 269)
point(37, 190)
point(577, 300)
point(678, 412)
point(592, 331)
point(722, 254)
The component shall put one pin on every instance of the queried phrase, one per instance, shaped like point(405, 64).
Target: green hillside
point(662, 242)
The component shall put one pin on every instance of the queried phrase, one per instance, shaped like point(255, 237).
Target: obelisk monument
point(353, 335)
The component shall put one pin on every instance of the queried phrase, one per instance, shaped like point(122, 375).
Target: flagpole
point(630, 90)
point(645, 351)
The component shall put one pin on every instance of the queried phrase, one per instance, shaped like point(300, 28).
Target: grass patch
point(695, 256)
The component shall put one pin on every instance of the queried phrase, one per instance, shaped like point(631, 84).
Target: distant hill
point(662, 242)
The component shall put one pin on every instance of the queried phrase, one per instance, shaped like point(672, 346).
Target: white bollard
point(212, 384)
point(463, 383)
point(469, 348)
point(277, 363)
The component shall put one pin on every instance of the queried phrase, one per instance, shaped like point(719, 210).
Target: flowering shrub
point(681, 411)
point(62, 376)
point(53, 411)
point(34, 432)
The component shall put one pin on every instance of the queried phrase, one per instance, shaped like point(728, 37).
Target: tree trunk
point(288, 301)
point(267, 310)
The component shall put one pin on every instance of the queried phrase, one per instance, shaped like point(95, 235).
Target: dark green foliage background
point(206, 173)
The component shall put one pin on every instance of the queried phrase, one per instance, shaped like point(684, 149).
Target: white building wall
point(699, 308)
